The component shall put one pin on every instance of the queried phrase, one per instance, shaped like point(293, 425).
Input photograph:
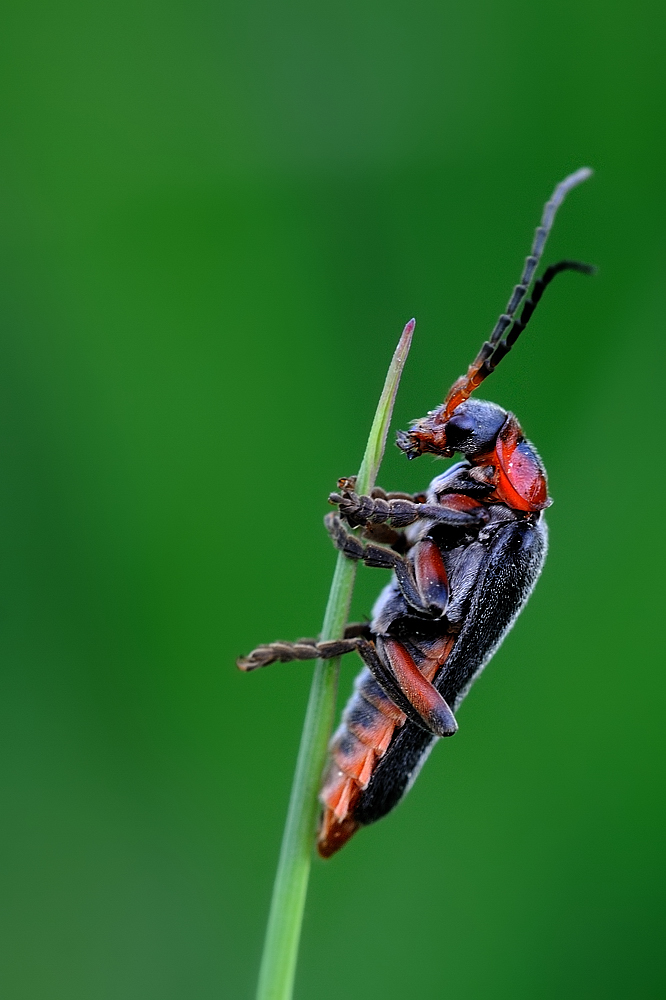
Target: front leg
point(348, 483)
point(362, 510)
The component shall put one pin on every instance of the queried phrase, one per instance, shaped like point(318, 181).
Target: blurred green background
point(214, 221)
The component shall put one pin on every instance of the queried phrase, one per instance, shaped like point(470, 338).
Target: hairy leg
point(363, 510)
point(379, 557)
point(303, 649)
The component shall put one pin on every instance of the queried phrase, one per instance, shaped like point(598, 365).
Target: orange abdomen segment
point(353, 757)
point(363, 737)
point(334, 834)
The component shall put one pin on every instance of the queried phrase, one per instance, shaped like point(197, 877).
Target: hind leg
point(390, 664)
point(303, 649)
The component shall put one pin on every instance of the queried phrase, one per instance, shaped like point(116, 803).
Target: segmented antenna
point(494, 349)
point(521, 322)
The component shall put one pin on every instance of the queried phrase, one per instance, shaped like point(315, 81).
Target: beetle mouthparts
point(408, 442)
point(426, 435)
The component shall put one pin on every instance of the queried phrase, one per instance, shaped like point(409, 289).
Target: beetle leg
point(303, 649)
point(395, 538)
point(349, 483)
point(431, 576)
point(395, 671)
point(360, 510)
point(400, 686)
point(420, 693)
point(377, 493)
point(390, 664)
point(378, 556)
point(388, 682)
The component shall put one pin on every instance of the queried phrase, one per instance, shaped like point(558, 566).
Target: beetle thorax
point(514, 468)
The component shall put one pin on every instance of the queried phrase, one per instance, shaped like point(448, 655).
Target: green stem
point(278, 964)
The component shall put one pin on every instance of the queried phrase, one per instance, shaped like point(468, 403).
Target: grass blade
point(278, 964)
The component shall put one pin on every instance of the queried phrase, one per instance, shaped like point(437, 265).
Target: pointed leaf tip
point(405, 341)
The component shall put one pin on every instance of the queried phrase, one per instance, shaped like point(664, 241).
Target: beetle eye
point(458, 428)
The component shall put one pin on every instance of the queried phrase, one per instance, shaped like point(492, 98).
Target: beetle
point(465, 557)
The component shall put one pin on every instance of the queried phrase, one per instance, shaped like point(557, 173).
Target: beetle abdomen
point(363, 737)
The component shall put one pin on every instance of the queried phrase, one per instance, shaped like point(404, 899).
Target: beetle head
point(471, 429)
